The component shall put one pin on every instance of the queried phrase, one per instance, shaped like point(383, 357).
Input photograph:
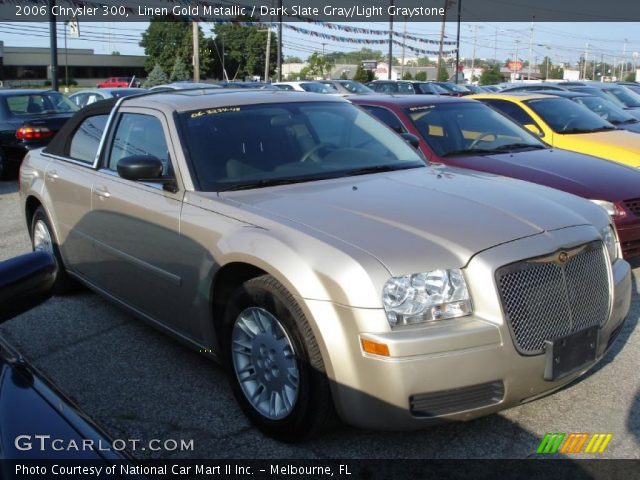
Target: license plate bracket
point(568, 354)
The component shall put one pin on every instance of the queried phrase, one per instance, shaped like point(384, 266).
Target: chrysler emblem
point(563, 257)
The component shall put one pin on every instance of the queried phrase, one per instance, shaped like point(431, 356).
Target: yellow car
point(562, 123)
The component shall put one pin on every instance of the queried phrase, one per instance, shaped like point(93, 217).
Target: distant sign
point(517, 65)
point(370, 64)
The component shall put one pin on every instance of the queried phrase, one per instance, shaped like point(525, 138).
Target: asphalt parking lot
point(139, 384)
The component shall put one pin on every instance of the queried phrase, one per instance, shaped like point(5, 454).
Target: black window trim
point(373, 105)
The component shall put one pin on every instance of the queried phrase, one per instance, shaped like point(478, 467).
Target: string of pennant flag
point(374, 31)
point(341, 39)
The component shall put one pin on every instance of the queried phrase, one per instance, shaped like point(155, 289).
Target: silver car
point(311, 250)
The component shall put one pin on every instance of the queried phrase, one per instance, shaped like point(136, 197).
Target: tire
point(3, 166)
point(300, 405)
point(43, 238)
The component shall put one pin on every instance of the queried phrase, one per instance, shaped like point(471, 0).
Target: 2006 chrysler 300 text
point(311, 250)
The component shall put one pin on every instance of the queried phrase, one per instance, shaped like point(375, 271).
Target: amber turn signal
point(376, 348)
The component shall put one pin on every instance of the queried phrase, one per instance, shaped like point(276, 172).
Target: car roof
point(517, 96)
point(566, 93)
point(23, 91)
point(188, 100)
point(406, 100)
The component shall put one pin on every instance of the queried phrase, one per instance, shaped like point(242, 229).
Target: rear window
point(39, 103)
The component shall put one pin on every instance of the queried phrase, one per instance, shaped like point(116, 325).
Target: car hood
point(584, 175)
point(618, 145)
point(417, 219)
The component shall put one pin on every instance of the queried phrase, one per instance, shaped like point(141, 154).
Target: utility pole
point(444, 20)
point(404, 32)
point(624, 60)
point(530, 51)
point(458, 43)
point(279, 40)
point(584, 67)
point(196, 51)
point(268, 53)
point(53, 41)
point(66, 60)
point(495, 47)
point(390, 42)
point(516, 59)
point(473, 55)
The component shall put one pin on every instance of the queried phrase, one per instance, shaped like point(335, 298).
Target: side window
point(86, 139)
point(405, 88)
point(387, 116)
point(139, 134)
point(511, 110)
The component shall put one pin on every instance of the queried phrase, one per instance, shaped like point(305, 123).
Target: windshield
point(432, 88)
point(625, 96)
point(454, 88)
point(355, 87)
point(252, 146)
point(469, 128)
point(606, 109)
point(564, 116)
point(317, 87)
point(39, 103)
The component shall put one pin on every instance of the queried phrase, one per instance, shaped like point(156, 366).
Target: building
point(30, 65)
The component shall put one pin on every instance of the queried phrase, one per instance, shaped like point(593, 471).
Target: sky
point(562, 42)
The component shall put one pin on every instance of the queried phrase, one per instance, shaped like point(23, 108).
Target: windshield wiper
point(267, 182)
point(381, 168)
point(472, 151)
point(588, 130)
point(518, 146)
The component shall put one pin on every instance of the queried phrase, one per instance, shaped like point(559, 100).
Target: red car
point(465, 133)
point(118, 82)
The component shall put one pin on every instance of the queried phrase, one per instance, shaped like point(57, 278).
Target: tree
point(156, 77)
point(292, 59)
point(244, 50)
point(491, 76)
point(630, 77)
point(318, 65)
point(421, 76)
point(407, 76)
point(443, 74)
point(354, 58)
point(169, 37)
point(180, 72)
point(344, 76)
point(363, 75)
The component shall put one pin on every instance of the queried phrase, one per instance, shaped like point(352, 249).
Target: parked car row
point(336, 271)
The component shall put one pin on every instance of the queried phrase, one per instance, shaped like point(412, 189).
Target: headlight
point(612, 209)
point(426, 297)
point(611, 242)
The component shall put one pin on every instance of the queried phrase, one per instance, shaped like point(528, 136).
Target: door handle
point(101, 192)
point(52, 175)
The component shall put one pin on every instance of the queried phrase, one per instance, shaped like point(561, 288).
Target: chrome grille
point(544, 299)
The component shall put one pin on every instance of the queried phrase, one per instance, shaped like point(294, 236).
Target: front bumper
point(451, 370)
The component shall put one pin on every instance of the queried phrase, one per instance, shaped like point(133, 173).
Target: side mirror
point(533, 128)
point(411, 139)
point(25, 282)
point(140, 167)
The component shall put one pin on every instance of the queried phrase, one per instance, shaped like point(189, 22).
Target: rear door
point(68, 181)
point(136, 225)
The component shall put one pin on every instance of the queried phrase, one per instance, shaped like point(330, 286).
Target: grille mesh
point(547, 300)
